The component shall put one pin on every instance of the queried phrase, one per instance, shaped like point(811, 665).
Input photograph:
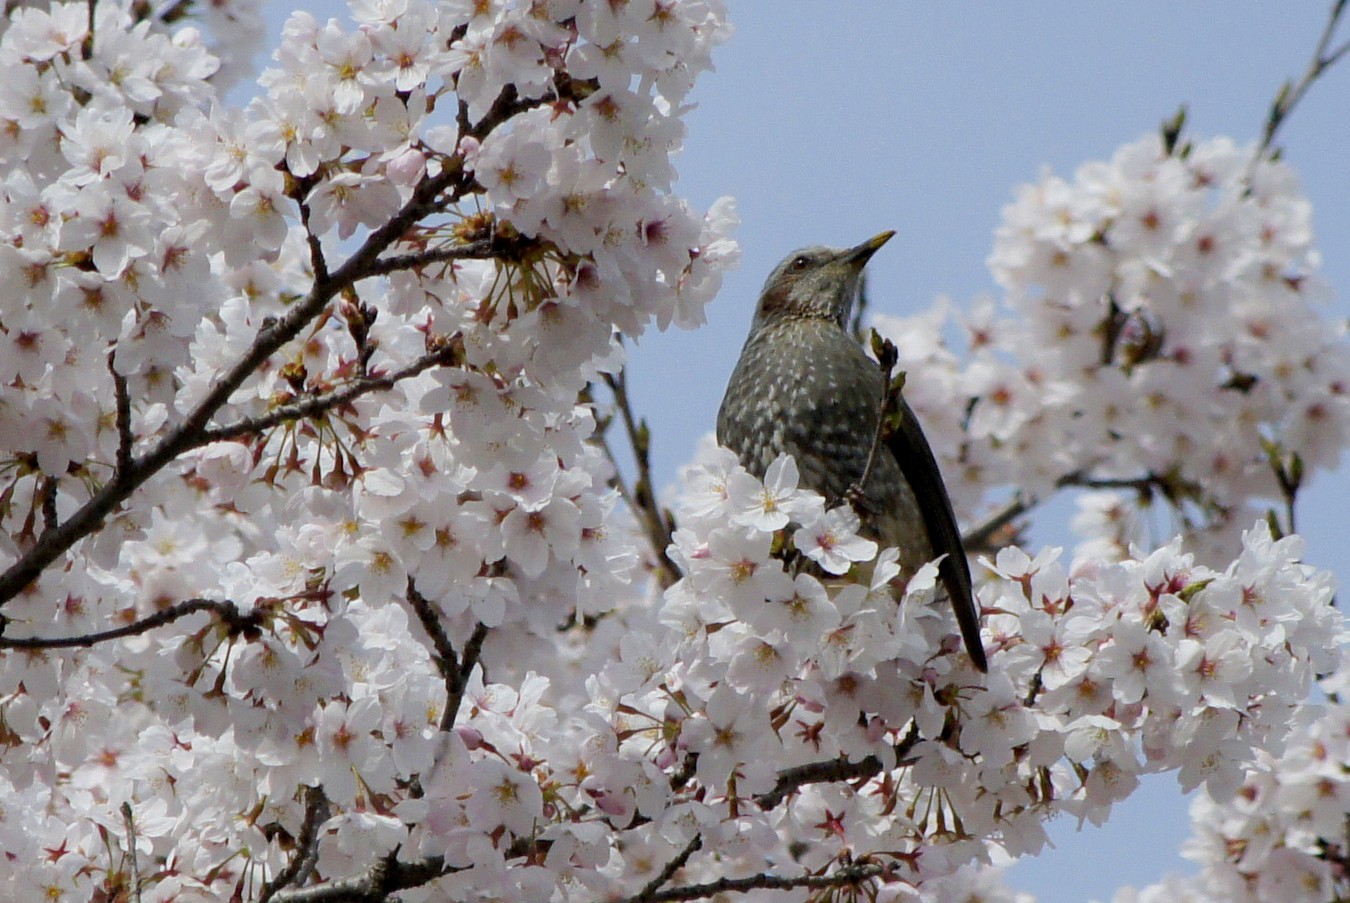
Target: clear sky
point(830, 121)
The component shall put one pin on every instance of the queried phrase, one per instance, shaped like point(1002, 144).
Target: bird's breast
point(807, 389)
point(803, 388)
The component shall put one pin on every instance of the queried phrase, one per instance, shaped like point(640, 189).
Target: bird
point(804, 386)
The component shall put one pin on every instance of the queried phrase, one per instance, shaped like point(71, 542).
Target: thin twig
point(317, 261)
point(226, 610)
point(887, 357)
point(135, 877)
point(659, 527)
point(1288, 471)
point(1290, 94)
point(653, 887)
point(126, 441)
point(454, 668)
point(617, 482)
point(887, 408)
point(979, 537)
point(327, 401)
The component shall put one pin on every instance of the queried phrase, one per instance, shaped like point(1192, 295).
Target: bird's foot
point(856, 497)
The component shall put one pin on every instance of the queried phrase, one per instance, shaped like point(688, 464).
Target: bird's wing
point(910, 448)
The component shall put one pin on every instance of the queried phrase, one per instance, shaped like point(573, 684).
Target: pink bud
point(876, 729)
point(611, 804)
point(407, 168)
point(468, 148)
point(473, 739)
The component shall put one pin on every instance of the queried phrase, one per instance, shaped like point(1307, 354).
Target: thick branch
point(473, 649)
point(382, 879)
point(485, 249)
point(844, 877)
point(790, 779)
point(306, 845)
point(454, 668)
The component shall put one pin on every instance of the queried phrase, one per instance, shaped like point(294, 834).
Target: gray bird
point(804, 386)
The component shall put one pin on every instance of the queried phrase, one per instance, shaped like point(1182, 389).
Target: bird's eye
point(800, 263)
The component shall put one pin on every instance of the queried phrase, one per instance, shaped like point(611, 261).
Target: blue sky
point(831, 121)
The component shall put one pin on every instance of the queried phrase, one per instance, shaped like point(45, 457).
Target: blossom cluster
point(1160, 339)
point(1100, 672)
point(1282, 835)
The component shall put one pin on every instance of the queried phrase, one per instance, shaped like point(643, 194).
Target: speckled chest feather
point(804, 386)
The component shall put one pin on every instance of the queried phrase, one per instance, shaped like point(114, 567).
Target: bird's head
point(817, 282)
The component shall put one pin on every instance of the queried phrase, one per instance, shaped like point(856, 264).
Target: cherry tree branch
point(658, 523)
point(134, 879)
point(980, 537)
point(126, 440)
point(483, 249)
point(847, 876)
point(649, 893)
point(446, 659)
point(306, 853)
point(841, 769)
point(317, 261)
point(225, 610)
point(454, 668)
point(322, 403)
point(374, 886)
point(1287, 467)
point(389, 875)
point(473, 650)
point(47, 499)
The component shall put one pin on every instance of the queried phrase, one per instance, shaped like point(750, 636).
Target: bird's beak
point(863, 252)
